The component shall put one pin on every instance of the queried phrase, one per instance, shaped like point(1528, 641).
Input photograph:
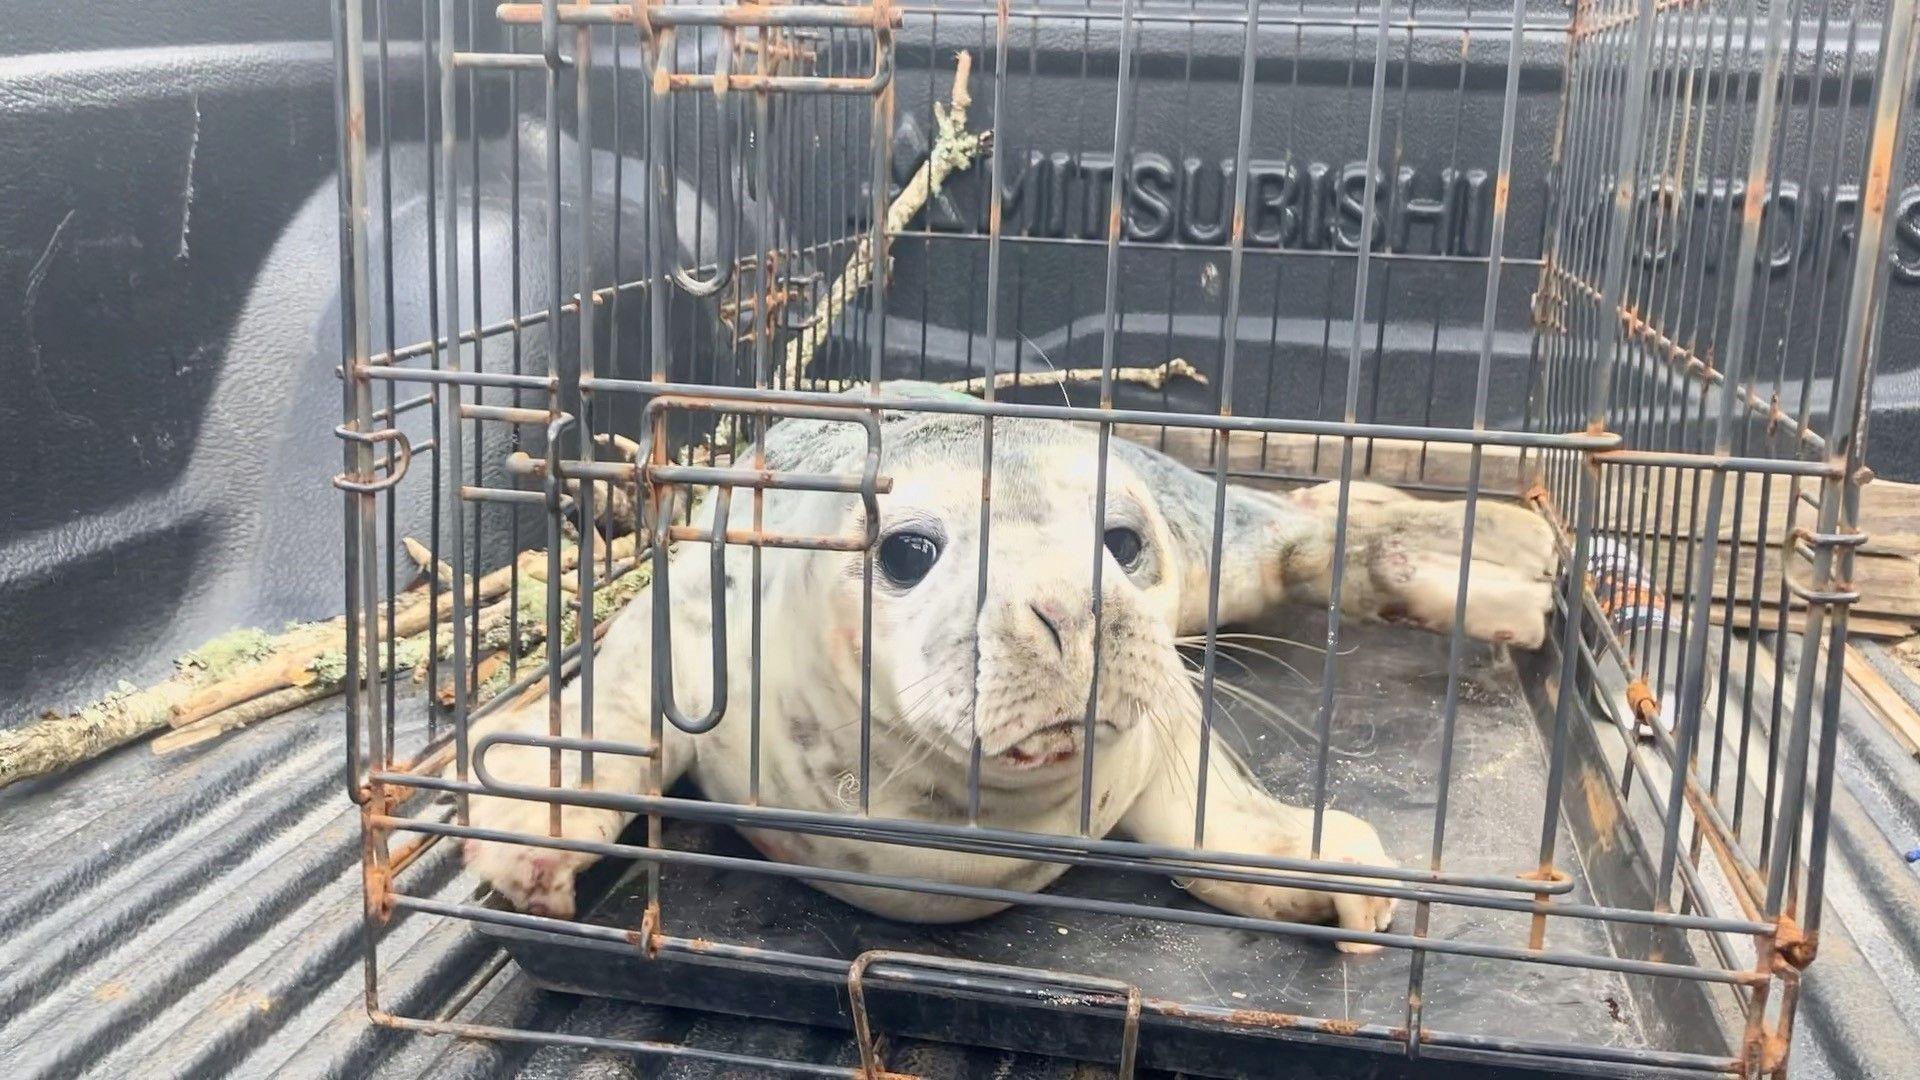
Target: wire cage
point(1623, 264)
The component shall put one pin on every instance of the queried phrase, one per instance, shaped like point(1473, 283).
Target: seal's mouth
point(1050, 744)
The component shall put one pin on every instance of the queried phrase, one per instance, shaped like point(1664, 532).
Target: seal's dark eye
point(1125, 544)
point(907, 557)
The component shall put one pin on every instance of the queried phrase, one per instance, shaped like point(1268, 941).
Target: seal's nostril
point(1052, 627)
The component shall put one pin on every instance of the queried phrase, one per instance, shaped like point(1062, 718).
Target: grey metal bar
point(660, 204)
point(1499, 1049)
point(735, 397)
point(564, 398)
point(790, 84)
point(1284, 19)
point(358, 509)
point(443, 377)
point(645, 16)
point(1457, 638)
point(450, 287)
point(1627, 168)
point(476, 493)
point(764, 480)
point(499, 61)
point(1891, 119)
point(767, 283)
point(671, 1051)
point(1445, 946)
point(717, 633)
point(1707, 550)
point(1122, 162)
point(355, 391)
point(1718, 462)
point(555, 502)
point(392, 412)
point(895, 830)
point(1330, 670)
point(995, 227)
point(1382, 256)
point(584, 746)
point(880, 135)
point(573, 396)
point(1236, 262)
point(749, 539)
point(506, 414)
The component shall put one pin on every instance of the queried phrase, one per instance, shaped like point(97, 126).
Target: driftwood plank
point(1889, 585)
point(1883, 701)
point(1889, 511)
point(1859, 623)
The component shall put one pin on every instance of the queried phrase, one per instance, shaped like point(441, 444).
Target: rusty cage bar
point(1673, 330)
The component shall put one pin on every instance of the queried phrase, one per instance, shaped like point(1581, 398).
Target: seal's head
point(1034, 627)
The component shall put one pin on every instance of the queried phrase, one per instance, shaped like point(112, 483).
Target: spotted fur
point(1035, 639)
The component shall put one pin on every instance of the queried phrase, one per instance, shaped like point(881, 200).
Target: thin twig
point(1152, 377)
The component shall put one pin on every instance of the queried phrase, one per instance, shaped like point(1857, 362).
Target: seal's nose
point(1050, 620)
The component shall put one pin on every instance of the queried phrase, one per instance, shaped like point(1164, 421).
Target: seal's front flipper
point(1243, 818)
point(1403, 562)
point(540, 879)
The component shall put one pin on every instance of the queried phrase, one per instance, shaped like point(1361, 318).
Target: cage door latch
point(659, 477)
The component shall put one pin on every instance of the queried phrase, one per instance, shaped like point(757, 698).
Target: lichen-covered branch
point(57, 741)
point(248, 675)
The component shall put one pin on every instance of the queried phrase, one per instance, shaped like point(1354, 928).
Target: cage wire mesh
point(1624, 262)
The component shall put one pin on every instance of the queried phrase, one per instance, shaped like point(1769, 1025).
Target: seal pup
point(1035, 639)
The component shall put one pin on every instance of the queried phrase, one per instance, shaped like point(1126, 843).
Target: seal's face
point(1034, 628)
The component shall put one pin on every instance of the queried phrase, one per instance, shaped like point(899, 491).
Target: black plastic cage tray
point(1387, 744)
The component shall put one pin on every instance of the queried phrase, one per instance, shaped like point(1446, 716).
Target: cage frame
point(1595, 309)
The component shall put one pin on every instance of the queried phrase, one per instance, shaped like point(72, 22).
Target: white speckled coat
point(1035, 637)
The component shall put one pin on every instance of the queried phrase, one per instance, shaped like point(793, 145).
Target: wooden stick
point(1883, 701)
point(423, 558)
point(244, 687)
point(260, 708)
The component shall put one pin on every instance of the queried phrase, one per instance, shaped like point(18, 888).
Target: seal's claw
point(534, 879)
point(1365, 913)
point(1344, 838)
point(538, 881)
